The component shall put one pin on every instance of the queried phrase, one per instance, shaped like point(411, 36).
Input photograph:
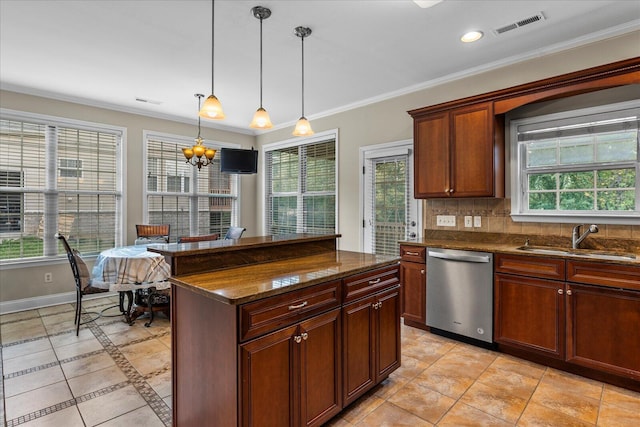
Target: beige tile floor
point(115, 375)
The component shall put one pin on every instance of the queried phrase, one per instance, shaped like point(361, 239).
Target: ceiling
point(108, 53)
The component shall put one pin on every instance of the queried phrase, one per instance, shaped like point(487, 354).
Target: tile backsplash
point(496, 218)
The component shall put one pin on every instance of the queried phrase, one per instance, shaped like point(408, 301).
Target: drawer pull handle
point(295, 307)
point(413, 253)
point(374, 282)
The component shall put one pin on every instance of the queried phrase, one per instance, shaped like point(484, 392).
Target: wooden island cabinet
point(265, 344)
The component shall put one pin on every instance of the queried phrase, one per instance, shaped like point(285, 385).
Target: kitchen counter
point(509, 244)
point(247, 283)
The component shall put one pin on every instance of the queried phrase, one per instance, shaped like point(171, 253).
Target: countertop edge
point(214, 295)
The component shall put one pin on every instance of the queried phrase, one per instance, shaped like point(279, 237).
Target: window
point(70, 168)
point(579, 164)
point(58, 175)
point(193, 202)
point(301, 186)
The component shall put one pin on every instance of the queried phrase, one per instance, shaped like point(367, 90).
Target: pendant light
point(195, 154)
point(212, 109)
point(303, 127)
point(261, 118)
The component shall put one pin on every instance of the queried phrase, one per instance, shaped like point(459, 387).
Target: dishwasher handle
point(465, 258)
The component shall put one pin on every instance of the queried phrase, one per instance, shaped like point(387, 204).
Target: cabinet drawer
point(413, 253)
point(613, 275)
point(544, 268)
point(258, 318)
point(364, 284)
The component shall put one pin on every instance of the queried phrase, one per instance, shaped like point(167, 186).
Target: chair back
point(148, 233)
point(234, 233)
point(79, 268)
point(202, 238)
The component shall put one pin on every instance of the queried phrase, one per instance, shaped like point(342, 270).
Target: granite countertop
point(509, 244)
point(223, 245)
point(248, 283)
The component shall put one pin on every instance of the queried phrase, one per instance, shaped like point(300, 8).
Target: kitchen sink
point(586, 253)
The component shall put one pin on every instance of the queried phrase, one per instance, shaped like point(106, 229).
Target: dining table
point(129, 269)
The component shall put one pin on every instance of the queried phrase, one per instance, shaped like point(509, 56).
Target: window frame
point(298, 142)
point(193, 195)
point(519, 183)
point(56, 257)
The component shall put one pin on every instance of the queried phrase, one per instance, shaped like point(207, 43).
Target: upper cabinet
point(459, 145)
point(459, 153)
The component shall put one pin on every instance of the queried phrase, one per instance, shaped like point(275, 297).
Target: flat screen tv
point(236, 160)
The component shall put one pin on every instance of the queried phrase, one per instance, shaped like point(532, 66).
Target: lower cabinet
point(529, 314)
point(292, 377)
point(602, 329)
point(587, 319)
point(413, 277)
point(371, 341)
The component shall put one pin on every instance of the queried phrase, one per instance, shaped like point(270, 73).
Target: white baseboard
point(7, 307)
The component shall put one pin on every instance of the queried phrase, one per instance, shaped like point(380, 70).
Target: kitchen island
point(289, 338)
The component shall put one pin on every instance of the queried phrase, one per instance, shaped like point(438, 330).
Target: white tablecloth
point(129, 268)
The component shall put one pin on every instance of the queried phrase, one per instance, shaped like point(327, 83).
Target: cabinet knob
point(569, 292)
point(305, 336)
point(297, 339)
point(375, 305)
point(422, 271)
point(560, 291)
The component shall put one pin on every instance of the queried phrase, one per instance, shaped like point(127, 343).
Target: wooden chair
point(202, 238)
point(147, 233)
point(234, 233)
point(83, 284)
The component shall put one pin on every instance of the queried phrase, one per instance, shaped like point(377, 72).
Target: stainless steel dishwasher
point(460, 292)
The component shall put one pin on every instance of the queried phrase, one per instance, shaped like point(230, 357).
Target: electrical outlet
point(477, 221)
point(48, 277)
point(446, 220)
point(468, 221)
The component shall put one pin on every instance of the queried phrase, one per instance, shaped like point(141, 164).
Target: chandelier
point(199, 155)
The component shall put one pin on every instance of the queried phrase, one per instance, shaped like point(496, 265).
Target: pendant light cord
point(212, 41)
point(261, 62)
point(302, 75)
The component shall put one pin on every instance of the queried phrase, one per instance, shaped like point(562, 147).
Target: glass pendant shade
point(212, 109)
point(261, 120)
point(303, 127)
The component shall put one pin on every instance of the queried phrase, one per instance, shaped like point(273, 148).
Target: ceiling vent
point(521, 23)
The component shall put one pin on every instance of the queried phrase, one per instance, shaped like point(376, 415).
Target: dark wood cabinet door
point(472, 143)
point(387, 350)
point(359, 370)
point(268, 392)
point(602, 329)
point(530, 314)
point(431, 157)
point(414, 292)
point(320, 362)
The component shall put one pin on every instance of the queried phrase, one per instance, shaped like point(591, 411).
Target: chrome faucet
point(576, 237)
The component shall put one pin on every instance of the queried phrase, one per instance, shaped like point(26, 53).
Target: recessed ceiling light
point(471, 36)
point(426, 3)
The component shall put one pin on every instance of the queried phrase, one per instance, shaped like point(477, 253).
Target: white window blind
point(58, 178)
point(579, 164)
point(301, 188)
point(193, 202)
